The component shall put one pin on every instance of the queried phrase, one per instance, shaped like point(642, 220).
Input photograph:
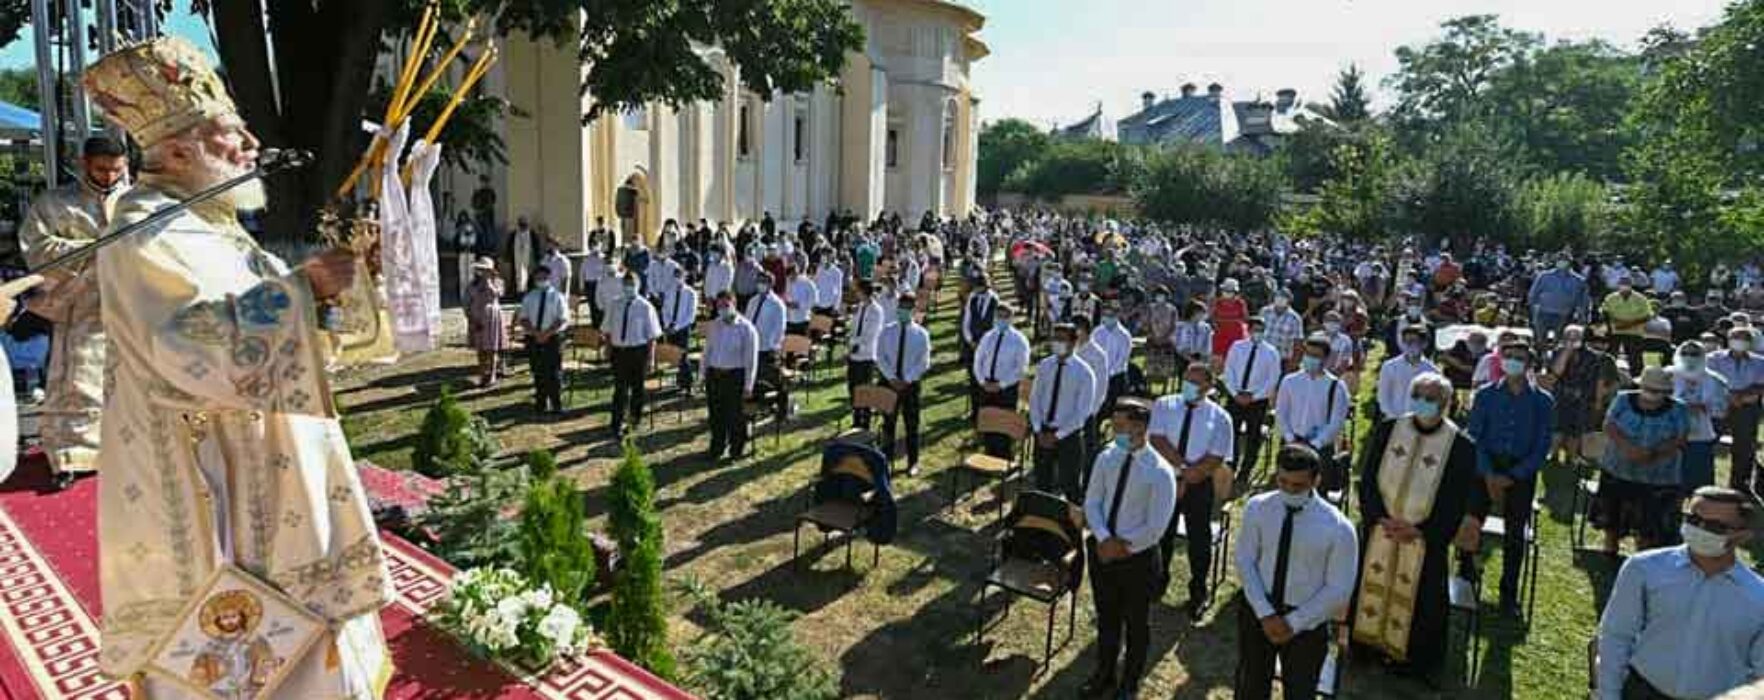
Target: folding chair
point(585, 342)
point(1586, 483)
point(1221, 527)
point(665, 374)
point(798, 354)
point(843, 499)
point(1465, 598)
point(1496, 527)
point(1040, 556)
point(821, 331)
point(1005, 423)
point(879, 400)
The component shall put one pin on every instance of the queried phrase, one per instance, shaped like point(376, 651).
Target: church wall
point(550, 185)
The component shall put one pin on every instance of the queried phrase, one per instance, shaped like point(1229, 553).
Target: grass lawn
point(905, 628)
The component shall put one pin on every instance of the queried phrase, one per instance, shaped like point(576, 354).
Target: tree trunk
point(323, 64)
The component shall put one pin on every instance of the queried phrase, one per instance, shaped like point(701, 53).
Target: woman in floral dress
point(485, 331)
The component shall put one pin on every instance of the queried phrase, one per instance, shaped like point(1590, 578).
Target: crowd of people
point(1182, 371)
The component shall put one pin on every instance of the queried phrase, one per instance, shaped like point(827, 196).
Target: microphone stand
point(273, 161)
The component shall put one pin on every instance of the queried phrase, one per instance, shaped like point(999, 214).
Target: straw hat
point(1656, 379)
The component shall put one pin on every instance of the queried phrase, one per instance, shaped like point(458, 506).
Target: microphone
point(279, 159)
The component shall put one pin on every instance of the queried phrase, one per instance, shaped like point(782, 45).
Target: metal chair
point(1465, 598)
point(667, 365)
point(1039, 555)
point(847, 516)
point(1496, 527)
point(585, 342)
point(1221, 527)
point(1001, 422)
point(1586, 483)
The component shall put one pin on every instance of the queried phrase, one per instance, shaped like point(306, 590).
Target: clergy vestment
point(1423, 478)
point(61, 221)
point(223, 447)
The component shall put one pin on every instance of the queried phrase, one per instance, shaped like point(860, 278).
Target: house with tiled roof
point(1212, 119)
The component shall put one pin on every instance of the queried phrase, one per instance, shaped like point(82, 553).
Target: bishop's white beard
point(246, 197)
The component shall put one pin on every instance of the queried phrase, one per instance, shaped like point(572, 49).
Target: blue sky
point(1052, 60)
point(180, 22)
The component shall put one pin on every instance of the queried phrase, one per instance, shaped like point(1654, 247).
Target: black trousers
point(1196, 510)
point(1635, 687)
point(591, 289)
point(546, 361)
point(1005, 398)
point(1742, 424)
point(1631, 347)
point(907, 410)
point(859, 373)
point(1060, 469)
point(628, 367)
point(682, 339)
point(1122, 591)
point(770, 375)
point(1248, 421)
point(723, 394)
point(793, 328)
point(1516, 511)
point(1117, 387)
point(1301, 659)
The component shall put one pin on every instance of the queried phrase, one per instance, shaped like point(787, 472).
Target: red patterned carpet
point(49, 606)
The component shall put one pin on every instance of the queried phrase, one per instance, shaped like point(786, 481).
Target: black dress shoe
point(1127, 692)
point(1098, 685)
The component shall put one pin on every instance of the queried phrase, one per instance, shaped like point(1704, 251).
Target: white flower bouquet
point(497, 613)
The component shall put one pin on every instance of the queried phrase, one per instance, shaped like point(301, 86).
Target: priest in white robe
point(221, 444)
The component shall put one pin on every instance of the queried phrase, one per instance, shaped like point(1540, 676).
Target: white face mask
point(1295, 500)
point(1739, 345)
point(1703, 543)
point(1062, 348)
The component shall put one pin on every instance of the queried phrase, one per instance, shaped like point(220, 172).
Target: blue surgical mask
point(1191, 392)
point(1424, 408)
point(1311, 363)
point(1001, 323)
point(1124, 443)
point(1512, 365)
point(905, 315)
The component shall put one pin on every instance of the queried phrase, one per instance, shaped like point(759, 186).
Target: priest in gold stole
point(1415, 483)
point(221, 446)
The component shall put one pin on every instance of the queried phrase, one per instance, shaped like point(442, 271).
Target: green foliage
point(1564, 106)
point(452, 440)
point(1349, 101)
point(1562, 210)
point(748, 652)
point(554, 543)
point(1084, 166)
point(1356, 201)
point(471, 521)
point(1441, 83)
point(1203, 186)
point(1006, 146)
point(19, 85)
point(637, 627)
point(1461, 189)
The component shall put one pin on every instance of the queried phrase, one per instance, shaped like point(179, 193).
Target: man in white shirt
point(800, 297)
point(768, 313)
point(1060, 404)
point(829, 287)
point(1298, 558)
point(658, 276)
point(544, 316)
point(607, 291)
point(860, 363)
point(999, 363)
point(1097, 360)
point(1117, 345)
point(731, 363)
point(559, 266)
point(1312, 408)
point(1128, 506)
point(719, 274)
point(631, 328)
point(679, 314)
point(1194, 436)
point(1252, 371)
point(979, 306)
point(1396, 373)
point(903, 356)
point(593, 269)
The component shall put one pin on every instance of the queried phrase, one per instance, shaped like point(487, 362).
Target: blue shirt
point(1647, 429)
point(1558, 292)
point(1690, 635)
point(1741, 370)
point(1514, 429)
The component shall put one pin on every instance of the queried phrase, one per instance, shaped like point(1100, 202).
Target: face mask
point(905, 315)
point(630, 290)
point(1160, 298)
point(1512, 366)
point(1415, 311)
point(1062, 348)
point(1279, 305)
point(1424, 408)
point(1572, 343)
point(1703, 543)
point(1739, 345)
point(1411, 349)
point(1311, 363)
point(1477, 348)
point(1332, 327)
point(1108, 320)
point(1256, 336)
point(727, 313)
point(1124, 443)
point(1001, 323)
point(544, 284)
point(1295, 500)
point(1191, 392)
point(1691, 364)
point(1561, 264)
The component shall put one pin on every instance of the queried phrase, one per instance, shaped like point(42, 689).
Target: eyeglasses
point(1715, 526)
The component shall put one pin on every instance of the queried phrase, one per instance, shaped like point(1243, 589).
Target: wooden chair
point(665, 374)
point(798, 355)
point(821, 332)
point(1005, 423)
point(1495, 527)
point(880, 401)
point(1040, 556)
point(1025, 386)
point(588, 348)
point(847, 517)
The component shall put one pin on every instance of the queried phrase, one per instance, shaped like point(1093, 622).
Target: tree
point(637, 627)
point(19, 86)
point(1203, 186)
point(749, 652)
point(451, 439)
point(554, 544)
point(1441, 83)
point(1562, 210)
point(1348, 101)
point(1565, 105)
point(301, 69)
point(1086, 166)
point(1006, 146)
point(1461, 189)
point(1356, 201)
